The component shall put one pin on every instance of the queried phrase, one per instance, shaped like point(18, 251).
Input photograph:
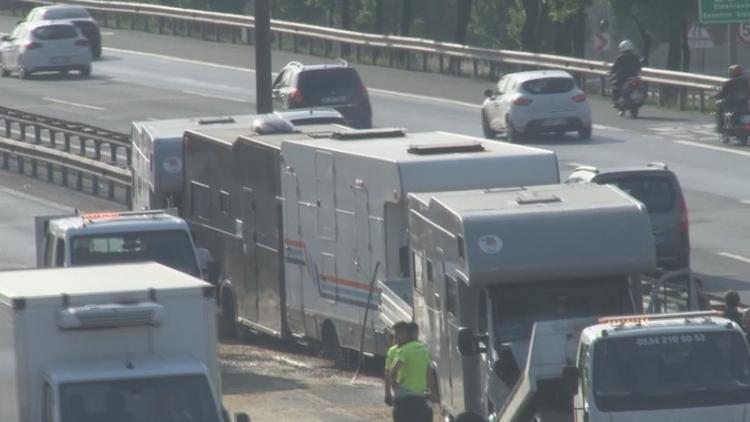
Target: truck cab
point(116, 237)
point(691, 366)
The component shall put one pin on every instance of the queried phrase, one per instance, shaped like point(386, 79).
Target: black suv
point(335, 86)
point(659, 190)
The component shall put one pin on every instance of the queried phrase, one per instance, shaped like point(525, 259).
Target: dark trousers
point(411, 409)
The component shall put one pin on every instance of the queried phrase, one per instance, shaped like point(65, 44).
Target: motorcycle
point(734, 124)
point(632, 97)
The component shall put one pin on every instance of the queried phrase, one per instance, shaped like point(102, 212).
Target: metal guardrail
point(415, 52)
point(92, 156)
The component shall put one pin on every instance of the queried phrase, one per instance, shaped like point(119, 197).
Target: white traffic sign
point(699, 38)
point(743, 32)
point(601, 41)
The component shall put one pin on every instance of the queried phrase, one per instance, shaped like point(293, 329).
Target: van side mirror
point(241, 417)
point(489, 93)
point(470, 344)
point(212, 272)
point(570, 375)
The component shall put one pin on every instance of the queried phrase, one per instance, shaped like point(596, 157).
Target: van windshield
point(167, 399)
point(168, 247)
point(517, 306)
point(690, 369)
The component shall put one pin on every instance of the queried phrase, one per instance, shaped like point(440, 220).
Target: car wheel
point(584, 133)
point(85, 71)
point(486, 129)
point(512, 135)
point(96, 51)
point(23, 73)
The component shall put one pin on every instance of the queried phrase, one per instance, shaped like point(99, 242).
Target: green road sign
point(724, 11)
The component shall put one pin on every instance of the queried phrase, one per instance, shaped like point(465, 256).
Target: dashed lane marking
point(220, 97)
point(86, 106)
point(714, 148)
point(736, 257)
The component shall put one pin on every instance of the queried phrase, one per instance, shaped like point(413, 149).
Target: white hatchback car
point(45, 46)
point(543, 101)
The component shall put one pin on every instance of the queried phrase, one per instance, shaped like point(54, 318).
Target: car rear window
point(330, 86)
point(549, 85)
point(66, 13)
point(656, 192)
point(55, 32)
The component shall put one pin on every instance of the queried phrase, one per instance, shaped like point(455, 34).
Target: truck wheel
point(227, 315)
point(331, 346)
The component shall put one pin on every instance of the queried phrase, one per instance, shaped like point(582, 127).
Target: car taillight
point(522, 101)
point(82, 42)
point(296, 97)
point(684, 224)
point(33, 45)
point(579, 98)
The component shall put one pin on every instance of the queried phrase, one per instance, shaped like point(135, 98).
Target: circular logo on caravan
point(172, 165)
point(490, 244)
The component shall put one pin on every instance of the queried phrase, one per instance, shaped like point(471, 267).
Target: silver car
point(659, 190)
point(45, 46)
point(77, 15)
point(540, 101)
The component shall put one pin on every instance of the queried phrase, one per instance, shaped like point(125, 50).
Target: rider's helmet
point(735, 71)
point(626, 45)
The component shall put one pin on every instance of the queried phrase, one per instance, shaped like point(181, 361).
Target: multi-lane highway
point(144, 76)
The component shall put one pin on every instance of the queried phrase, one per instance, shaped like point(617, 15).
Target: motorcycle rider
point(627, 65)
point(733, 96)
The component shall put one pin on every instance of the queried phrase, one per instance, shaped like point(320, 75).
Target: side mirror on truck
point(470, 344)
point(570, 376)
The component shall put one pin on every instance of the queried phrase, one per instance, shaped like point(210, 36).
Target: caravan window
point(451, 296)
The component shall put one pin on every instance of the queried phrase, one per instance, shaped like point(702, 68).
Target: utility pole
point(264, 101)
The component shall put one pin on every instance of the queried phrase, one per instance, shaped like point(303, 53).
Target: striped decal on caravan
point(295, 252)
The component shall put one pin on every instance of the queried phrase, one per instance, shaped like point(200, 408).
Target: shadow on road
point(250, 382)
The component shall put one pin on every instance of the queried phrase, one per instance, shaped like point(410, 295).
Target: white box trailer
point(346, 215)
point(98, 343)
point(526, 268)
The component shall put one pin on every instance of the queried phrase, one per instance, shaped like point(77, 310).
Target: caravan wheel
point(331, 346)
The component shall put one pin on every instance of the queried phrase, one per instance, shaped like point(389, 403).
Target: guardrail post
point(128, 197)
point(476, 67)
point(66, 138)
point(425, 60)
point(202, 28)
point(357, 53)
point(441, 58)
point(328, 50)
point(493, 71)
point(79, 181)
point(235, 34)
point(52, 138)
point(310, 46)
point(602, 86)
point(97, 150)
point(682, 98)
point(295, 41)
point(132, 22)
point(34, 169)
point(6, 159)
point(703, 101)
point(280, 39)
point(37, 135)
point(128, 158)
point(111, 190)
point(189, 29)
point(64, 176)
point(95, 185)
point(50, 173)
point(145, 23)
point(82, 145)
point(113, 153)
point(117, 20)
point(7, 128)
point(21, 165)
point(22, 128)
point(173, 26)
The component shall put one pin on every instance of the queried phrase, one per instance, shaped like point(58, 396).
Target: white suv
point(543, 101)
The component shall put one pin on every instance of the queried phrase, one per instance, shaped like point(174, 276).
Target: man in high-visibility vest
point(397, 340)
point(412, 378)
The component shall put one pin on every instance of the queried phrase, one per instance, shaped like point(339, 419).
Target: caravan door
point(295, 254)
point(249, 296)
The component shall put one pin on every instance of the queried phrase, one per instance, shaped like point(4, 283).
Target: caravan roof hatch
point(431, 149)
